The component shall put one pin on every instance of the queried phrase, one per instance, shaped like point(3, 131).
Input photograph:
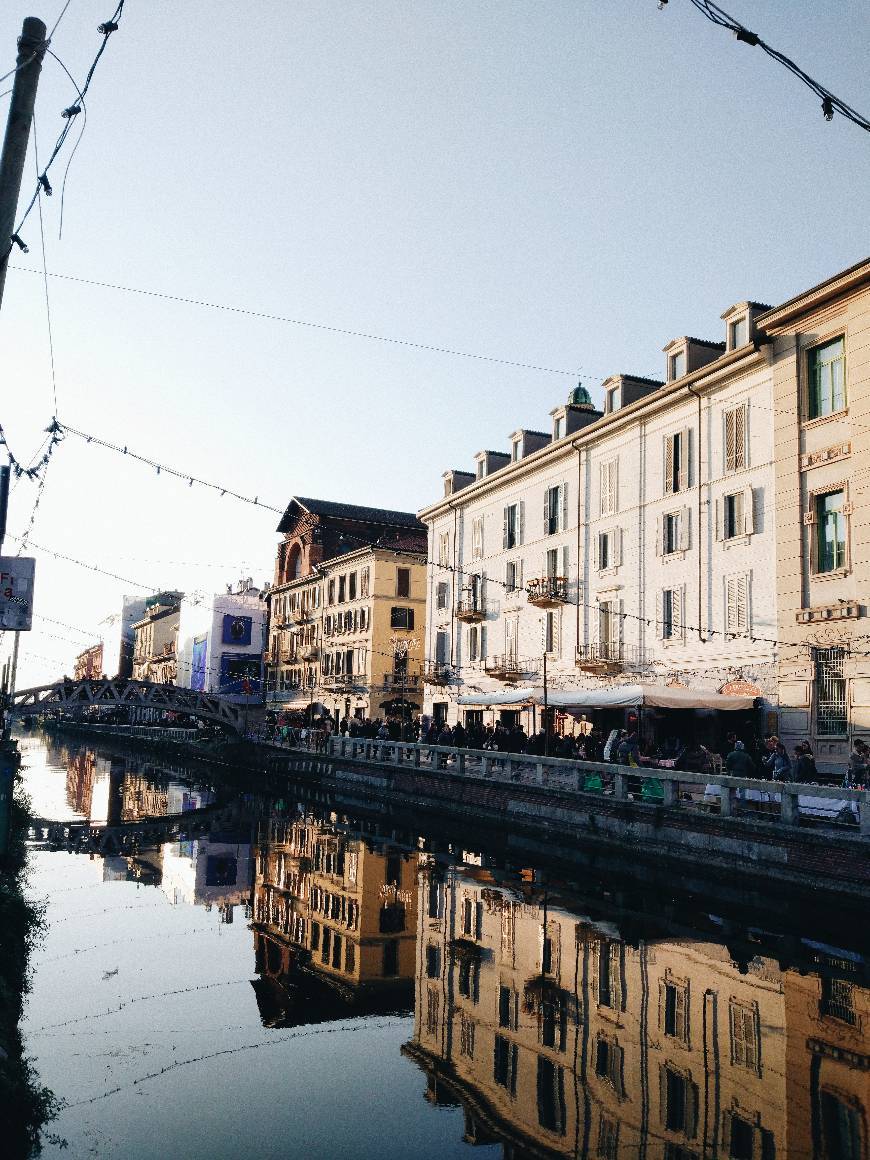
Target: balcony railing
point(505, 668)
point(438, 673)
point(608, 657)
point(470, 611)
point(400, 682)
point(547, 591)
point(310, 653)
point(341, 682)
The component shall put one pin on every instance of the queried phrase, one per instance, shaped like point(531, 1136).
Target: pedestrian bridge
point(76, 698)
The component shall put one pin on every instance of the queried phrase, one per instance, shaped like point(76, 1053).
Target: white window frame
point(608, 483)
point(735, 438)
point(477, 538)
point(444, 550)
point(561, 489)
point(672, 629)
point(676, 476)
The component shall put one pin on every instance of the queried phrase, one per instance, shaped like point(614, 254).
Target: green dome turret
point(580, 397)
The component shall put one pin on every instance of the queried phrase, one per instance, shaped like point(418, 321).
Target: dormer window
point(677, 365)
point(448, 485)
point(481, 467)
point(738, 332)
point(558, 427)
point(516, 450)
point(612, 400)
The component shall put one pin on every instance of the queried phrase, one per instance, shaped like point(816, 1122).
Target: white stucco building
point(630, 545)
point(220, 644)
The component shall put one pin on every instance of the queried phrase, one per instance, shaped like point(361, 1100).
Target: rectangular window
point(678, 365)
point(469, 978)
point(837, 1001)
point(466, 1036)
point(733, 522)
point(433, 962)
point(349, 957)
point(391, 958)
point(511, 536)
point(738, 332)
point(612, 400)
point(403, 582)
point(442, 595)
point(474, 643)
point(325, 944)
point(558, 428)
point(351, 586)
point(551, 563)
point(504, 1064)
point(551, 631)
point(435, 894)
point(735, 438)
point(827, 379)
point(742, 1139)
point(674, 1011)
point(843, 1127)
point(675, 1100)
point(513, 575)
point(553, 509)
point(830, 692)
point(442, 648)
point(745, 1046)
point(671, 614)
point(508, 1008)
point(477, 538)
point(330, 592)
point(551, 1096)
point(608, 503)
point(516, 450)
point(608, 1063)
point(670, 533)
point(444, 550)
point(830, 520)
point(401, 618)
point(364, 582)
point(433, 1003)
point(608, 1139)
point(676, 462)
point(737, 605)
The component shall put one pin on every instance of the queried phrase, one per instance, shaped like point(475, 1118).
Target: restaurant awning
point(613, 697)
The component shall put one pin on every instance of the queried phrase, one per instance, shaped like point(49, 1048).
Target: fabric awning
point(613, 697)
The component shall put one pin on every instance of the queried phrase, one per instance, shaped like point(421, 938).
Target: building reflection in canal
point(565, 1017)
point(334, 922)
point(559, 1038)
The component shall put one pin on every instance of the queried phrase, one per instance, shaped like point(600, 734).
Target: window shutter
point(680, 1021)
point(740, 436)
point(663, 1093)
point(521, 534)
point(614, 486)
point(718, 518)
point(504, 537)
point(520, 573)
point(546, 511)
point(564, 508)
point(410, 618)
point(617, 547)
point(691, 1090)
point(483, 642)
point(685, 529)
point(660, 627)
point(730, 440)
point(660, 535)
point(565, 561)
point(603, 488)
point(684, 476)
point(669, 465)
point(748, 512)
point(742, 603)
point(619, 635)
point(596, 550)
point(677, 611)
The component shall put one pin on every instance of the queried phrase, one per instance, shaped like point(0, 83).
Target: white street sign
point(16, 592)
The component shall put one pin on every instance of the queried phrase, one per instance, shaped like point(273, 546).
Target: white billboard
point(16, 592)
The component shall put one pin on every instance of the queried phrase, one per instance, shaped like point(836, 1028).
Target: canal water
point(272, 972)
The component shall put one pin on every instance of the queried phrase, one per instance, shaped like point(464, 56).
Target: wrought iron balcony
point(505, 668)
point(438, 673)
point(310, 653)
point(604, 657)
point(547, 591)
point(341, 683)
point(470, 611)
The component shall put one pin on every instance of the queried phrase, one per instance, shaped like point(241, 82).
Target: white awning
point(612, 697)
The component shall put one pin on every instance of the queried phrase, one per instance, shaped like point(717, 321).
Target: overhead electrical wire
point(269, 316)
point(830, 102)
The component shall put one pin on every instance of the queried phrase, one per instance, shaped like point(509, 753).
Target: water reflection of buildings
point(560, 1039)
point(87, 784)
point(209, 870)
point(334, 922)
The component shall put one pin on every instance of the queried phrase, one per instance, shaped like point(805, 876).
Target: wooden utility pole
point(31, 50)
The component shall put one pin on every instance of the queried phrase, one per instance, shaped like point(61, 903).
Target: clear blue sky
point(569, 184)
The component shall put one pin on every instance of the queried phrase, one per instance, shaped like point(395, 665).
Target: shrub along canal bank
point(25, 1104)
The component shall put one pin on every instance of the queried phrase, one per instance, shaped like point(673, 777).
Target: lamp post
point(402, 647)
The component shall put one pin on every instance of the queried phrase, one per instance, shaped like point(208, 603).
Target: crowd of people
point(767, 758)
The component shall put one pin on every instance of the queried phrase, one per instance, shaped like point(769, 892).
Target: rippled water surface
point(272, 977)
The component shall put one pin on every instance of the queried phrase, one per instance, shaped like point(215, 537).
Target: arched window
point(294, 563)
